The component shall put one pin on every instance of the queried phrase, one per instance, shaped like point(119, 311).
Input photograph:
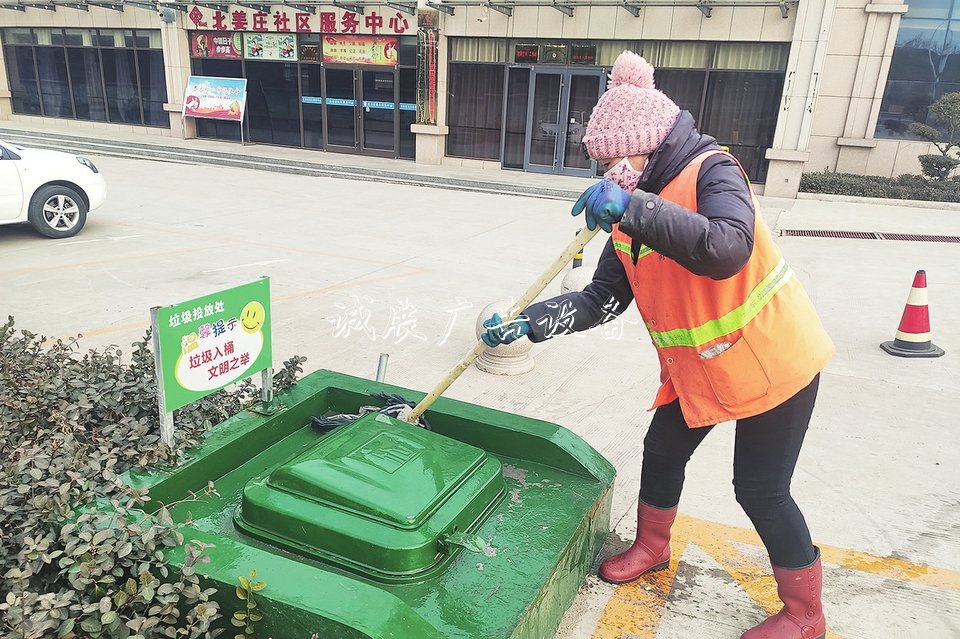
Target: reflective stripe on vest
point(624, 247)
point(732, 321)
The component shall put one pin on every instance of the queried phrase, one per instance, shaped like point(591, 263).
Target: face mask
point(624, 175)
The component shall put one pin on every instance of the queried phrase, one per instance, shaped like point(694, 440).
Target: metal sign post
point(166, 418)
point(268, 404)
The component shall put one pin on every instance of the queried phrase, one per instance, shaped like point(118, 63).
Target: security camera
point(167, 14)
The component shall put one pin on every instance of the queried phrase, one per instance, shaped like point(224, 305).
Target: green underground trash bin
point(482, 528)
point(378, 496)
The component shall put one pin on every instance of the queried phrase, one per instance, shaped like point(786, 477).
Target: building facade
point(789, 86)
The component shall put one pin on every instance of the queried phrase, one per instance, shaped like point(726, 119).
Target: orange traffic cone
point(913, 335)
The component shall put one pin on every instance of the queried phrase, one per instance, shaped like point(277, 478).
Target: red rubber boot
point(802, 614)
point(650, 551)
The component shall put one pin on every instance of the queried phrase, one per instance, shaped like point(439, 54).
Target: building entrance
point(558, 107)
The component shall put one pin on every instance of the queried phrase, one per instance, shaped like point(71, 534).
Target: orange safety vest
point(728, 348)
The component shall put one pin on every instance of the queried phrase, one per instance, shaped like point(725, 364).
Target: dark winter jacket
point(716, 243)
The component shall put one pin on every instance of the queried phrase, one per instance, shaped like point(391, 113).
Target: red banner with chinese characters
point(360, 49)
point(215, 45)
point(378, 19)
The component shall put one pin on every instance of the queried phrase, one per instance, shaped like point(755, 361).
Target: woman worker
point(737, 336)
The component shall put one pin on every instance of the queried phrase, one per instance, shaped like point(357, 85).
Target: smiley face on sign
point(252, 316)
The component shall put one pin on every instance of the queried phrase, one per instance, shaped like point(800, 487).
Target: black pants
point(766, 451)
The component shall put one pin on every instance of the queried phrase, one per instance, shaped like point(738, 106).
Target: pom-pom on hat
point(632, 117)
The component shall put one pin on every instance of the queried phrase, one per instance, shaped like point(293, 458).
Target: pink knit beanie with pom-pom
point(632, 117)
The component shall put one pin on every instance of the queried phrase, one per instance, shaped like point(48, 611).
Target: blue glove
point(499, 333)
point(604, 203)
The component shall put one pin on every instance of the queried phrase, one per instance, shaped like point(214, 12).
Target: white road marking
point(99, 239)
point(80, 242)
point(228, 268)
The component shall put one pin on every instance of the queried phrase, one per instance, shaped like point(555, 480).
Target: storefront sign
point(360, 49)
point(280, 18)
point(428, 18)
point(270, 46)
point(215, 98)
point(309, 53)
point(213, 45)
point(211, 342)
point(526, 53)
point(553, 53)
point(583, 54)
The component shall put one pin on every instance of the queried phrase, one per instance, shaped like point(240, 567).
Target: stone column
point(432, 138)
point(870, 81)
point(6, 99)
point(791, 142)
point(176, 64)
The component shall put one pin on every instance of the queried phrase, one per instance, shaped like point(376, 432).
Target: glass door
point(543, 119)
point(361, 110)
point(378, 116)
point(311, 105)
point(341, 109)
point(581, 98)
point(558, 107)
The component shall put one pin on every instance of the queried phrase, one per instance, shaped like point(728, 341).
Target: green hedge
point(904, 187)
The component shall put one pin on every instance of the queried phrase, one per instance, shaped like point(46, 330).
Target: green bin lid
point(378, 496)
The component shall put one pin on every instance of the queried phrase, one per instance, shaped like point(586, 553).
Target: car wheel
point(57, 211)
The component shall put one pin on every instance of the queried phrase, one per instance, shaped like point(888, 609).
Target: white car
point(50, 189)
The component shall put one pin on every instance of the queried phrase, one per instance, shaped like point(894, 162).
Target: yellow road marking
point(115, 329)
point(637, 608)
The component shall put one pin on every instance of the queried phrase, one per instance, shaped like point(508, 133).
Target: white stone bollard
point(576, 279)
point(506, 359)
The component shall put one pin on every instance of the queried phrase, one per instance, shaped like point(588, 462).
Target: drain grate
point(869, 235)
point(909, 237)
point(849, 235)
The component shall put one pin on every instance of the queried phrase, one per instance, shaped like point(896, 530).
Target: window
point(153, 86)
point(22, 71)
point(55, 93)
point(514, 143)
point(475, 111)
point(684, 86)
point(107, 75)
point(87, 80)
point(925, 65)
point(120, 79)
point(273, 102)
point(219, 69)
point(740, 110)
